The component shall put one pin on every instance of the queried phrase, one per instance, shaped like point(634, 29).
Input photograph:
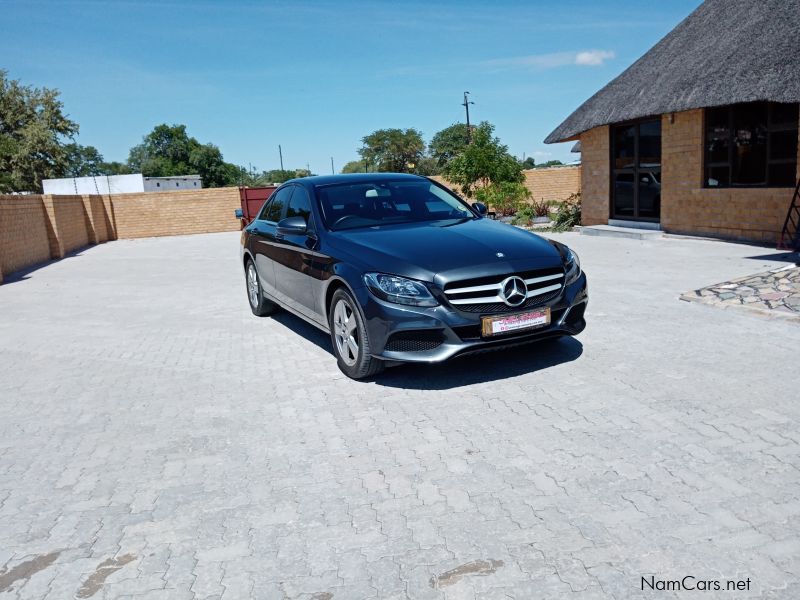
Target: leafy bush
point(568, 214)
point(525, 215)
point(541, 209)
point(505, 198)
point(528, 212)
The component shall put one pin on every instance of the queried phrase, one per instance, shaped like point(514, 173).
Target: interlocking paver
point(146, 414)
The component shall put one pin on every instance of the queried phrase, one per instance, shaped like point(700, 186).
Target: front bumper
point(435, 334)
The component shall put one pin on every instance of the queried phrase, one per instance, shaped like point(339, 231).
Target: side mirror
point(480, 208)
point(292, 226)
point(238, 213)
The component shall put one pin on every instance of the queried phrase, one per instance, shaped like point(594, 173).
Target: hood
point(442, 251)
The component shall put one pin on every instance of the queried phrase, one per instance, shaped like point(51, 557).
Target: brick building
point(700, 135)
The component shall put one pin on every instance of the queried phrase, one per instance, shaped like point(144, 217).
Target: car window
point(299, 205)
point(367, 204)
point(273, 209)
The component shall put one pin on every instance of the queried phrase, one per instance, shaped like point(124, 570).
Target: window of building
point(636, 170)
point(751, 145)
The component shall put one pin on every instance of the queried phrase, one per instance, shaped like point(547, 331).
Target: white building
point(167, 184)
point(120, 184)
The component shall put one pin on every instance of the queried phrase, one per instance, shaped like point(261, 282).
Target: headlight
point(399, 289)
point(572, 267)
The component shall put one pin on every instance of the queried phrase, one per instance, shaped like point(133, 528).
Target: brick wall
point(69, 226)
point(176, 213)
point(552, 183)
point(24, 238)
point(752, 214)
point(36, 228)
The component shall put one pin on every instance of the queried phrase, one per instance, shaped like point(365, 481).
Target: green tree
point(448, 143)
point(482, 162)
point(168, 150)
point(427, 166)
point(115, 168)
point(528, 163)
point(33, 133)
point(82, 161)
point(549, 163)
point(393, 150)
point(279, 176)
point(355, 166)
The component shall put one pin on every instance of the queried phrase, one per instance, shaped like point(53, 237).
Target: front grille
point(415, 341)
point(501, 307)
point(484, 294)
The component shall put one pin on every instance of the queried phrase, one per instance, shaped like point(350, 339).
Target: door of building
point(636, 171)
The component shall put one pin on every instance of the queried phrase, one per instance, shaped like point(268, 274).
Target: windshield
point(367, 204)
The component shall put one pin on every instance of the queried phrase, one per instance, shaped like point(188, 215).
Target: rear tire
point(350, 338)
point(260, 306)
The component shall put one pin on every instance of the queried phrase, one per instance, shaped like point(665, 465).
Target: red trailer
point(252, 200)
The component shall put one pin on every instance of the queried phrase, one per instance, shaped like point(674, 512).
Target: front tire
point(350, 338)
point(260, 306)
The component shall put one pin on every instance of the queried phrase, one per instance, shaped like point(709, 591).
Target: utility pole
point(332, 171)
point(466, 104)
point(280, 153)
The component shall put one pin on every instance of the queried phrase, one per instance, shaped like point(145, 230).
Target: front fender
point(342, 274)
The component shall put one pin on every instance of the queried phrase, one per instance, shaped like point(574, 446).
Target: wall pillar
point(53, 236)
point(91, 228)
point(595, 176)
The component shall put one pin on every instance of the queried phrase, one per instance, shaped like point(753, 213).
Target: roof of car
point(353, 178)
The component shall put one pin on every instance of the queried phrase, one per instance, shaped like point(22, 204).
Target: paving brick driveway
point(157, 441)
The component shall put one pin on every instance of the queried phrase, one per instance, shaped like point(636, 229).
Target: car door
point(263, 238)
point(295, 256)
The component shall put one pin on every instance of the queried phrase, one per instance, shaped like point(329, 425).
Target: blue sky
point(316, 77)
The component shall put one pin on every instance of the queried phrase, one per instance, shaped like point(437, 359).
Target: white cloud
point(551, 60)
point(593, 57)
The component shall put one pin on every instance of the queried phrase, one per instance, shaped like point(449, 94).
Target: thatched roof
point(726, 51)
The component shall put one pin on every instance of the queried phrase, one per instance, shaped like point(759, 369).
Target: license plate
point(507, 323)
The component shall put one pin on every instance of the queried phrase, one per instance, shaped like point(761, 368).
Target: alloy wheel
point(252, 284)
point(345, 328)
